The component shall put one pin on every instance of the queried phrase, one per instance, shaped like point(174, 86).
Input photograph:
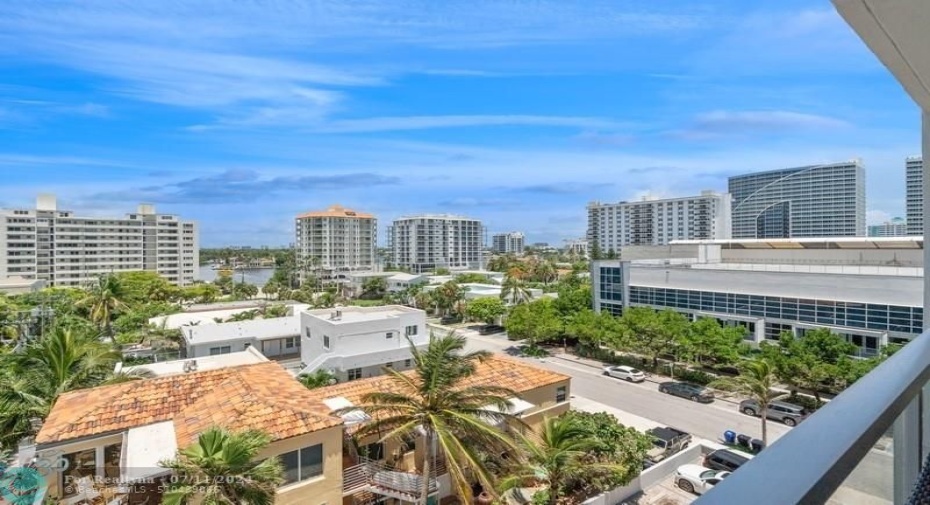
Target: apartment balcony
point(376, 477)
point(869, 445)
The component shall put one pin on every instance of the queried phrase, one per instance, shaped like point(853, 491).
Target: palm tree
point(755, 380)
point(317, 379)
point(102, 301)
point(454, 419)
point(514, 291)
point(219, 469)
point(60, 361)
point(556, 457)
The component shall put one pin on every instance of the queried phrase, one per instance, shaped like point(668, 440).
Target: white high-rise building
point(657, 222)
point(897, 227)
point(810, 201)
point(915, 195)
point(508, 243)
point(427, 242)
point(68, 250)
point(336, 240)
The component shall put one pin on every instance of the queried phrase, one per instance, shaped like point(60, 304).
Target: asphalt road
point(708, 421)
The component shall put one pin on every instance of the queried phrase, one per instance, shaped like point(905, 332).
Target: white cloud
point(877, 217)
point(376, 124)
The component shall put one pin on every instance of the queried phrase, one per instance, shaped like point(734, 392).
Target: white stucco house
point(356, 342)
point(276, 338)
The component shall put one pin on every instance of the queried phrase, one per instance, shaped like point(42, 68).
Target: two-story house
point(356, 342)
point(106, 442)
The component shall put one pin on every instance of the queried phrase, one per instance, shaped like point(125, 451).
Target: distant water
point(256, 277)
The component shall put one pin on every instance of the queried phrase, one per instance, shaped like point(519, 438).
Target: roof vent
point(190, 366)
point(335, 316)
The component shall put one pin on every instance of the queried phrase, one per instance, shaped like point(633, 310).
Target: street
point(872, 476)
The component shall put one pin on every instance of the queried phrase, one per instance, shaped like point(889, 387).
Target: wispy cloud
point(376, 124)
point(720, 123)
point(241, 186)
point(566, 188)
point(601, 139)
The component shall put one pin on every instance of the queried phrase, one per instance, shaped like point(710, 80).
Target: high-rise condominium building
point(897, 227)
point(915, 195)
point(426, 242)
point(508, 243)
point(69, 250)
point(657, 222)
point(336, 240)
point(812, 201)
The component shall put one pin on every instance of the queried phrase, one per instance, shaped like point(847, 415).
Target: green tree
point(455, 418)
point(102, 301)
point(651, 333)
point(317, 379)
point(560, 457)
point(535, 322)
point(819, 359)
point(573, 298)
point(220, 469)
point(447, 296)
point(442, 271)
point(756, 380)
point(473, 278)
point(374, 288)
point(271, 288)
point(592, 328)
point(244, 290)
point(486, 309)
point(514, 290)
point(707, 342)
point(62, 360)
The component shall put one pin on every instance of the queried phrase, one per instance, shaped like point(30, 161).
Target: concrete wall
point(235, 345)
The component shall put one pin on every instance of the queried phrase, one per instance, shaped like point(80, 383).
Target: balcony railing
point(840, 451)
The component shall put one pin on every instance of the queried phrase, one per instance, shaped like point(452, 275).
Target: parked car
point(726, 460)
point(665, 442)
point(788, 413)
point(626, 373)
point(687, 390)
point(697, 479)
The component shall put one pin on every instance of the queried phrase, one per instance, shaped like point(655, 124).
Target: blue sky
point(242, 114)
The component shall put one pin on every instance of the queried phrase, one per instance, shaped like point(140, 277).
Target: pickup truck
point(665, 442)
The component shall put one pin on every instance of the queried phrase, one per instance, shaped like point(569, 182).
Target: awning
point(517, 407)
point(351, 417)
point(144, 447)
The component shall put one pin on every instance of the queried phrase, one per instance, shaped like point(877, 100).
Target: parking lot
point(665, 492)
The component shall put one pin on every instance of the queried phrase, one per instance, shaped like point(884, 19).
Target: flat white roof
point(207, 317)
point(144, 447)
point(14, 282)
point(913, 242)
point(354, 314)
point(259, 329)
point(176, 367)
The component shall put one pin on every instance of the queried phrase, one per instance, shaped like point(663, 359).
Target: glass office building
point(769, 292)
point(811, 201)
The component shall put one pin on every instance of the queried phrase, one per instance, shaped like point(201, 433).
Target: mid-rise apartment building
point(657, 222)
point(914, 168)
point(426, 242)
point(508, 243)
point(576, 247)
point(69, 250)
point(811, 201)
point(337, 240)
point(897, 227)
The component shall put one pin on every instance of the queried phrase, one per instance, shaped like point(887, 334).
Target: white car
point(627, 373)
point(697, 479)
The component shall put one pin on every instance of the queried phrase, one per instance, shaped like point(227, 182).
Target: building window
point(373, 451)
point(220, 350)
point(290, 342)
point(407, 363)
point(325, 341)
point(80, 465)
point(307, 331)
point(302, 464)
point(389, 334)
point(561, 393)
point(389, 365)
point(410, 330)
point(111, 460)
point(355, 373)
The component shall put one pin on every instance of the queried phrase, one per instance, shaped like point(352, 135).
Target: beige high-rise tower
point(336, 240)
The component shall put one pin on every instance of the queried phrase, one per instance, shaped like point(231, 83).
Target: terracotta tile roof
point(501, 371)
point(261, 396)
point(336, 211)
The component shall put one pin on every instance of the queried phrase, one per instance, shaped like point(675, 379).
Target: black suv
point(687, 390)
point(725, 459)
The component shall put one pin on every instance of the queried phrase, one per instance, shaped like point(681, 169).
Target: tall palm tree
point(556, 457)
point(102, 301)
point(453, 419)
point(514, 291)
point(756, 380)
point(219, 469)
point(60, 361)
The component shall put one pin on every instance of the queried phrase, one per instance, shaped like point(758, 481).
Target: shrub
point(695, 376)
point(805, 401)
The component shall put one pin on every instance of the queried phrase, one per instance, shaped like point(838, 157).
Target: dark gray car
point(788, 413)
point(687, 390)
